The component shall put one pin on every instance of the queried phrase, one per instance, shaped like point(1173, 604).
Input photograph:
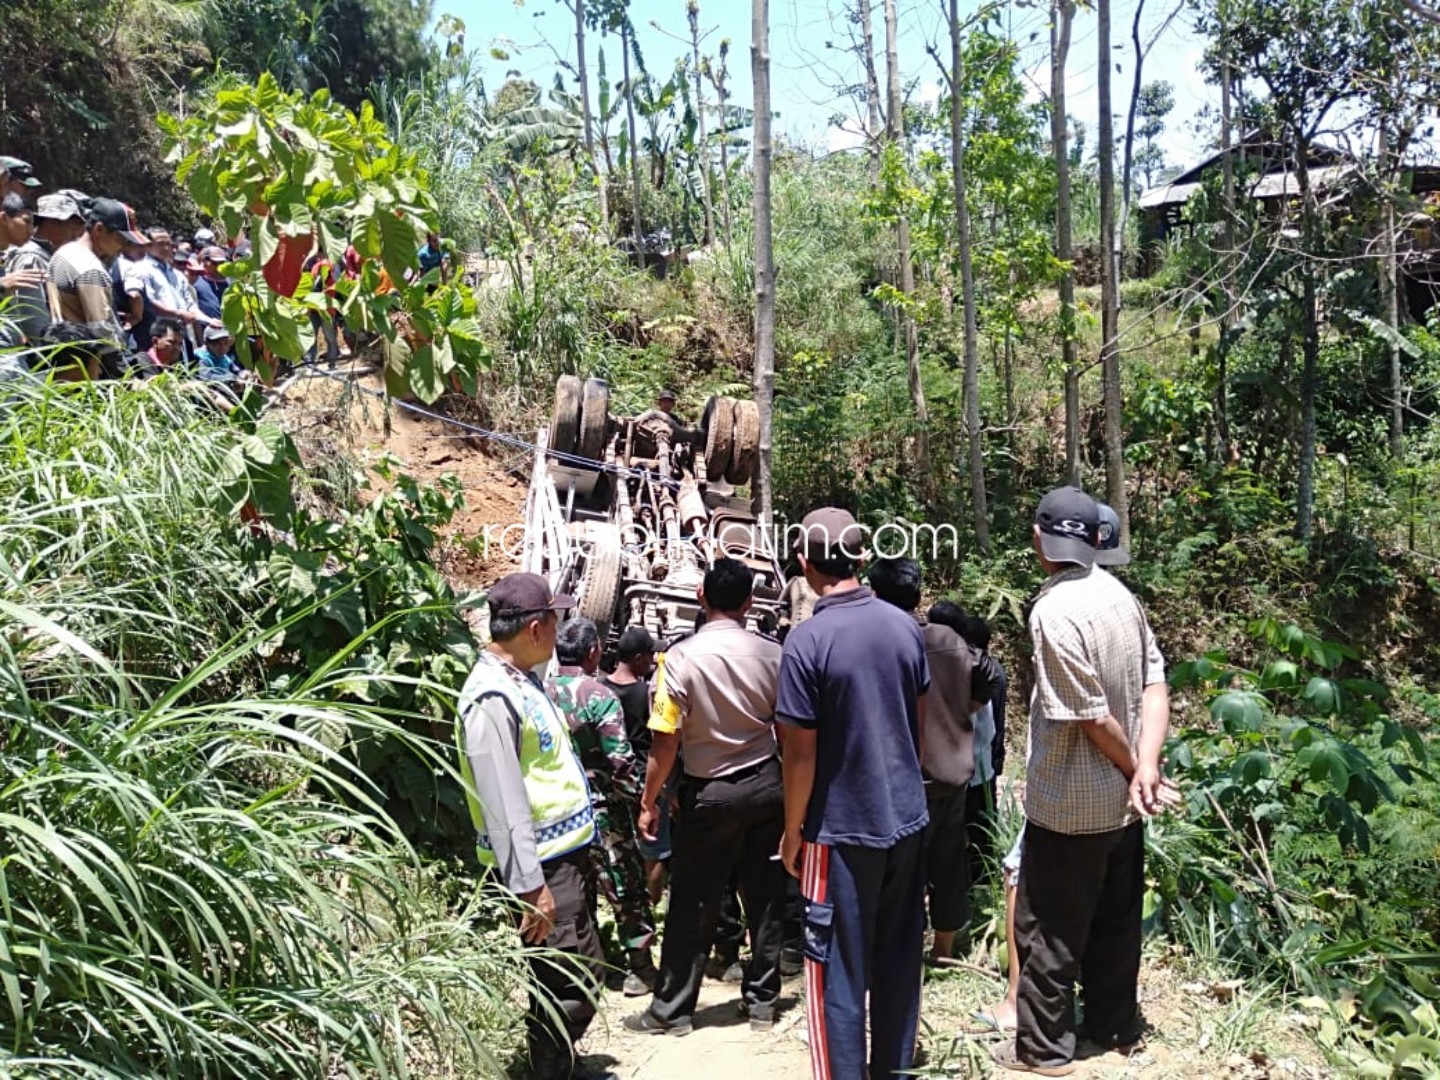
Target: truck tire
point(565, 417)
point(600, 582)
point(746, 443)
point(718, 423)
point(594, 419)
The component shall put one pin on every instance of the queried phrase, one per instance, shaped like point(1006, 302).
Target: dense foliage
point(199, 878)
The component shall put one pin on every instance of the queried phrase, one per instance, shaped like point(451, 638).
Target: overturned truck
point(625, 513)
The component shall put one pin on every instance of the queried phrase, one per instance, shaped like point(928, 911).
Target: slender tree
point(586, 116)
point(1110, 286)
point(895, 136)
point(1227, 257)
point(718, 73)
point(873, 123)
point(1063, 18)
point(692, 12)
point(973, 432)
point(764, 253)
point(627, 34)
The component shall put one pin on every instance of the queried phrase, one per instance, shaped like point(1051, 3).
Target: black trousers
point(947, 860)
point(571, 975)
point(727, 827)
point(1077, 918)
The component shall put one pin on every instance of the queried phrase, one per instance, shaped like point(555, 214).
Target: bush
point(198, 879)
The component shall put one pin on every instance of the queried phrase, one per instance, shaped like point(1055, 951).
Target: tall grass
point(195, 880)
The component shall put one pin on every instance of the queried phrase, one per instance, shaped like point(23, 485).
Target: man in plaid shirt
point(1099, 717)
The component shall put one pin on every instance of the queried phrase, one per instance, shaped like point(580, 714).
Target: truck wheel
point(718, 423)
point(594, 419)
point(565, 418)
point(600, 582)
point(746, 452)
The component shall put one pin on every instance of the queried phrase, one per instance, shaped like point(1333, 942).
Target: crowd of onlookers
point(86, 293)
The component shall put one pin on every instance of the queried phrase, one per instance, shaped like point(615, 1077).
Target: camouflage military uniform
point(597, 726)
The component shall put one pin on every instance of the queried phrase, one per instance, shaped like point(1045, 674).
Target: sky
point(810, 66)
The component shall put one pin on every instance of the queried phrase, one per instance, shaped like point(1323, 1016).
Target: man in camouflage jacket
point(597, 726)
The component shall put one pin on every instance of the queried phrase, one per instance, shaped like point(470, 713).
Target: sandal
point(1006, 1057)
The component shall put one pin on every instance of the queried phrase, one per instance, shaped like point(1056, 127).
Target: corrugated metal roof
point(1276, 185)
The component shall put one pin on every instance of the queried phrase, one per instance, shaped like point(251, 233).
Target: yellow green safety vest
point(555, 783)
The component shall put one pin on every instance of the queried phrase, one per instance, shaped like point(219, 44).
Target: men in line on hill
point(1099, 718)
point(597, 725)
point(853, 684)
point(533, 816)
point(720, 686)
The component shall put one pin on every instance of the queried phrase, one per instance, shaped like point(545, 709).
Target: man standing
point(947, 758)
point(165, 288)
point(78, 270)
point(532, 812)
point(597, 727)
point(721, 683)
point(852, 692)
point(1099, 717)
point(17, 177)
point(57, 221)
point(210, 285)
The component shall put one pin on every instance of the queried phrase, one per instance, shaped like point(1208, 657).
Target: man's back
point(1094, 656)
point(597, 725)
point(724, 679)
point(949, 748)
point(854, 672)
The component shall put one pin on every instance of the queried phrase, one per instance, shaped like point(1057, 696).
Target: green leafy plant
point(299, 175)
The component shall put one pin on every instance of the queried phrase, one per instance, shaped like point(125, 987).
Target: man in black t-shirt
point(635, 660)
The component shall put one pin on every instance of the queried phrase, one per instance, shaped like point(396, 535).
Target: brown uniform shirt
point(722, 682)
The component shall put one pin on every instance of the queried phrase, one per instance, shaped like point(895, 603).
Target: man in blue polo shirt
point(853, 679)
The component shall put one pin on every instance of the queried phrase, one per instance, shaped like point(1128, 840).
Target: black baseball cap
point(830, 533)
point(1108, 551)
point(635, 641)
point(525, 594)
point(1069, 524)
point(118, 218)
point(666, 395)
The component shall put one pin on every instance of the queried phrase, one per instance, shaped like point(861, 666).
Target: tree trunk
point(974, 435)
point(1227, 295)
point(635, 227)
point(873, 124)
point(586, 118)
point(895, 134)
point(1310, 347)
point(1064, 16)
point(1110, 288)
point(718, 78)
point(1128, 174)
point(1390, 295)
point(692, 9)
point(764, 255)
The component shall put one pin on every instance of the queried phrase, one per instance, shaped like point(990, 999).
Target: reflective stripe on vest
point(555, 784)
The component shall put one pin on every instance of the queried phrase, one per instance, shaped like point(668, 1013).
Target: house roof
point(1276, 185)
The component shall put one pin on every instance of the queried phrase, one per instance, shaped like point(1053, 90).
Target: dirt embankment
point(332, 417)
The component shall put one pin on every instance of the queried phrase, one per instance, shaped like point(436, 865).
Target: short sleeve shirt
point(720, 685)
point(854, 673)
point(83, 287)
point(1094, 656)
